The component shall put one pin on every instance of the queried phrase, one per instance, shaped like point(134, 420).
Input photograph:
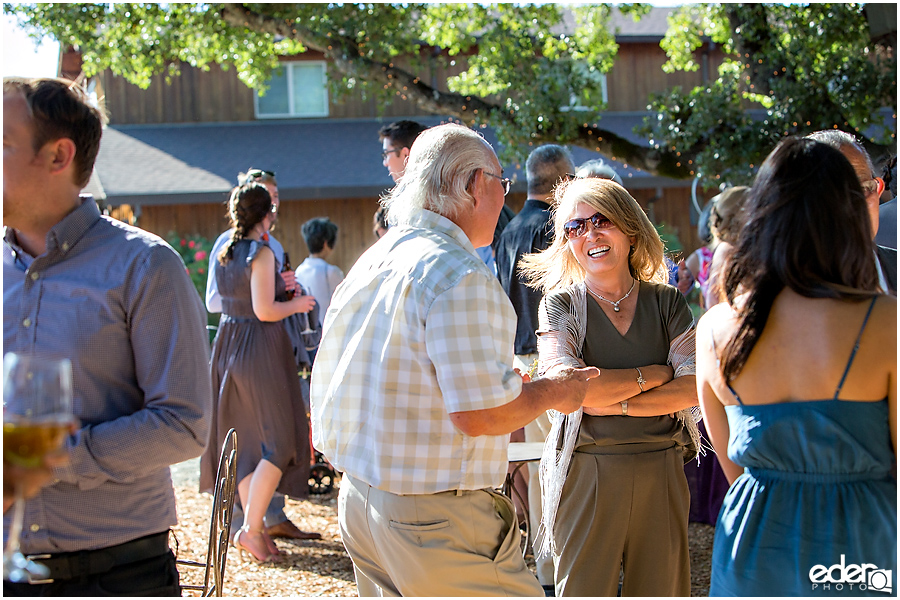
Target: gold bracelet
point(624, 404)
point(640, 380)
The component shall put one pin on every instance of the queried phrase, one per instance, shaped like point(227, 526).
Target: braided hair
point(248, 206)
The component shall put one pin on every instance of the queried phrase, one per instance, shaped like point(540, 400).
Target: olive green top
point(661, 315)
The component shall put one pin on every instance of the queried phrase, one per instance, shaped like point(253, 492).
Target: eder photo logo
point(860, 577)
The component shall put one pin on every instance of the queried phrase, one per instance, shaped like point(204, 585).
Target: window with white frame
point(296, 89)
point(597, 77)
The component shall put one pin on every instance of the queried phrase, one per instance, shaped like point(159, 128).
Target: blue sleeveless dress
point(817, 489)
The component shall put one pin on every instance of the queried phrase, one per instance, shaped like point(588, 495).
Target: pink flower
point(201, 270)
point(191, 244)
point(200, 255)
point(183, 241)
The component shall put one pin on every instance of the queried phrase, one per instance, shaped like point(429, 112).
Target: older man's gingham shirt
point(420, 328)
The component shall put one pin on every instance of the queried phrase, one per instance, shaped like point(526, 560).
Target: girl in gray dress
point(253, 371)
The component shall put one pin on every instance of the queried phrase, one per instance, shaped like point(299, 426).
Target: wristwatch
point(624, 404)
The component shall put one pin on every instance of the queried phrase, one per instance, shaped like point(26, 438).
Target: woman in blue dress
point(796, 375)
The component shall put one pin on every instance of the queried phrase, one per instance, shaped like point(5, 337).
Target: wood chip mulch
point(322, 567)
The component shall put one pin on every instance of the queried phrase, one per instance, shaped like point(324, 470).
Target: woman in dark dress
point(253, 371)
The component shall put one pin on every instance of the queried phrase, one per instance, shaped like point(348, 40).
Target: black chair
point(219, 523)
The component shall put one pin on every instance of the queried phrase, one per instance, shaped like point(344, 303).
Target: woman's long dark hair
point(249, 204)
point(807, 229)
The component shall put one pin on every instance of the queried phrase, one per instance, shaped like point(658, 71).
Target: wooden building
point(171, 153)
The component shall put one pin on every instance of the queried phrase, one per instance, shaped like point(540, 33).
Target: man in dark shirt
point(532, 231)
point(887, 212)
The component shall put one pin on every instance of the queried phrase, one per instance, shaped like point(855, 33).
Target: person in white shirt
point(315, 273)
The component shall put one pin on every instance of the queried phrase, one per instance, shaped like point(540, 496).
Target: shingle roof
point(312, 158)
point(651, 28)
point(653, 24)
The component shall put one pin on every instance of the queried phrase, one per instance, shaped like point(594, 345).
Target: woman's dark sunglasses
point(577, 227)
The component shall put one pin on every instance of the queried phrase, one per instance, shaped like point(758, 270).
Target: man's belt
point(69, 565)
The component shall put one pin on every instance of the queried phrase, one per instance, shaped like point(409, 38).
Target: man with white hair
point(873, 186)
point(600, 169)
point(413, 390)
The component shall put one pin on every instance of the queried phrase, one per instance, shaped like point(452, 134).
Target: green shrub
point(194, 251)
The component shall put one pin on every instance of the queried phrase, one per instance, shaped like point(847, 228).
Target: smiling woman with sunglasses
point(613, 486)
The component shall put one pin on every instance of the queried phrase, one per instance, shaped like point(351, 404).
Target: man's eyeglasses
point(259, 173)
point(578, 227)
point(505, 181)
point(384, 153)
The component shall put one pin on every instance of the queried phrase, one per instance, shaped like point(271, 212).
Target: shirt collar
point(426, 219)
point(65, 234)
point(538, 203)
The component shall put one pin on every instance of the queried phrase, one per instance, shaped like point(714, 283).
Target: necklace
point(615, 304)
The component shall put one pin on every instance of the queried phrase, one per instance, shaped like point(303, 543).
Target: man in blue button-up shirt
point(118, 303)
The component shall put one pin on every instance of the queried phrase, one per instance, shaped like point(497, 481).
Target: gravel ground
point(322, 567)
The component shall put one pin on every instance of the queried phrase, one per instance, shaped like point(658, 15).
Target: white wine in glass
point(37, 417)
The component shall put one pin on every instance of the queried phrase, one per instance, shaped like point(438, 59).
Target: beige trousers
point(447, 544)
point(625, 512)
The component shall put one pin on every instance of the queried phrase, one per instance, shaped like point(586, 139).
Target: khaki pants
point(628, 512)
point(446, 544)
point(536, 431)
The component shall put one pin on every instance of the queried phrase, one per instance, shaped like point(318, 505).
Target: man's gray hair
point(440, 170)
point(546, 166)
point(838, 140)
point(600, 169)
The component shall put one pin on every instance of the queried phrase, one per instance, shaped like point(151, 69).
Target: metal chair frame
point(220, 521)
point(519, 455)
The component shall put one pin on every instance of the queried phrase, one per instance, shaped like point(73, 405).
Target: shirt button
point(65, 246)
point(26, 322)
point(34, 528)
point(35, 276)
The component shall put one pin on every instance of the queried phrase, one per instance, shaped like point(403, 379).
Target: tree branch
point(345, 55)
point(756, 40)
point(471, 110)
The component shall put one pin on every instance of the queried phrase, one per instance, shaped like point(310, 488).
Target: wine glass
point(309, 330)
point(37, 417)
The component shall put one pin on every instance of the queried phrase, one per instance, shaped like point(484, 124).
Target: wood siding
point(672, 209)
point(218, 95)
point(352, 216)
point(637, 73)
point(354, 220)
point(193, 97)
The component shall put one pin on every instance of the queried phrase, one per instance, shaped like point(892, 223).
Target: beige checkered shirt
point(420, 328)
